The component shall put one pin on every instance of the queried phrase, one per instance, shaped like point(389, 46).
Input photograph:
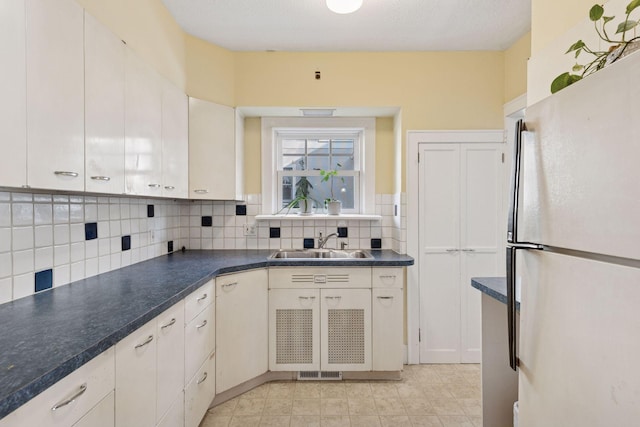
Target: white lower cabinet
point(102, 415)
point(199, 393)
point(70, 399)
point(174, 417)
point(387, 329)
point(345, 329)
point(200, 339)
point(241, 328)
point(136, 367)
point(170, 373)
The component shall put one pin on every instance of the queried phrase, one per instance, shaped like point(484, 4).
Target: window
point(294, 156)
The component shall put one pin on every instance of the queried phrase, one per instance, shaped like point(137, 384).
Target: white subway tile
point(22, 214)
point(6, 290)
point(43, 258)
point(61, 234)
point(5, 215)
point(60, 213)
point(61, 254)
point(76, 233)
point(22, 197)
point(77, 252)
point(22, 238)
point(104, 264)
point(22, 261)
point(5, 239)
point(91, 267)
point(77, 271)
point(91, 213)
point(23, 285)
point(6, 265)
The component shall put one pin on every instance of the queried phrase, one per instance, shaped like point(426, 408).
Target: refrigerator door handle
point(512, 220)
point(511, 306)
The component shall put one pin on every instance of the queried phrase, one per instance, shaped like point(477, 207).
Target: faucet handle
point(343, 245)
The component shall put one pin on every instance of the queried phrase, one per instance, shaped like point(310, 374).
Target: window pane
point(342, 147)
point(342, 163)
point(318, 147)
point(296, 163)
point(318, 162)
point(293, 146)
point(343, 190)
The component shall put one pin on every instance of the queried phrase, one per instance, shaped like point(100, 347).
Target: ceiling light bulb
point(344, 6)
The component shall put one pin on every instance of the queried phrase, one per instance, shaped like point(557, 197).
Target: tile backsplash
point(49, 240)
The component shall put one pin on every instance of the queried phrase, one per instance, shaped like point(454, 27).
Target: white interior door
point(439, 253)
point(460, 209)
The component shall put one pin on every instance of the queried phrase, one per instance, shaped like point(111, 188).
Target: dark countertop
point(495, 287)
point(46, 336)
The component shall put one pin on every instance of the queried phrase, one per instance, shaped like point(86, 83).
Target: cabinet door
point(199, 393)
point(345, 329)
point(387, 336)
point(175, 415)
point(143, 128)
point(241, 328)
point(13, 109)
point(170, 372)
point(294, 330)
point(175, 142)
point(200, 338)
point(102, 415)
point(212, 152)
point(104, 109)
point(55, 94)
point(136, 378)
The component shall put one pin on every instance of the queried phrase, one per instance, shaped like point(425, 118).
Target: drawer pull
point(171, 323)
point(333, 297)
point(201, 191)
point(101, 178)
point(385, 297)
point(228, 285)
point(203, 297)
point(79, 393)
point(202, 325)
point(306, 298)
point(388, 276)
point(155, 185)
point(203, 379)
point(169, 187)
point(147, 341)
point(66, 173)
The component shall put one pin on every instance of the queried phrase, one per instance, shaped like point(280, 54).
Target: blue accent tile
point(170, 246)
point(308, 243)
point(241, 210)
point(274, 232)
point(376, 243)
point(150, 211)
point(126, 243)
point(207, 221)
point(343, 232)
point(44, 280)
point(91, 231)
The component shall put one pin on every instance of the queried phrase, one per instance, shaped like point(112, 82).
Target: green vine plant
point(601, 58)
point(329, 175)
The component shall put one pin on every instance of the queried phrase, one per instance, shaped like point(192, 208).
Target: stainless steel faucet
point(323, 240)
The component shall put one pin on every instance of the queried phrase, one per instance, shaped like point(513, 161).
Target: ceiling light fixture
point(317, 112)
point(344, 6)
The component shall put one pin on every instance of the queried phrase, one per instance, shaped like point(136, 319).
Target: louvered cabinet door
point(345, 329)
point(294, 330)
point(320, 277)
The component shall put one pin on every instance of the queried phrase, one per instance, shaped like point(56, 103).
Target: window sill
point(315, 217)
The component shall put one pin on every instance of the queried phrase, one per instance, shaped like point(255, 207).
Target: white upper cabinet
point(213, 168)
point(175, 142)
point(55, 94)
point(104, 109)
point(13, 109)
point(143, 128)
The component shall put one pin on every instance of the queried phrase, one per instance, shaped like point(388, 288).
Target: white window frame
point(273, 126)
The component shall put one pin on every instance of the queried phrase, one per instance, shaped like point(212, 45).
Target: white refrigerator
point(574, 252)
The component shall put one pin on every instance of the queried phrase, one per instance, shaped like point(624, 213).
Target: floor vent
point(319, 376)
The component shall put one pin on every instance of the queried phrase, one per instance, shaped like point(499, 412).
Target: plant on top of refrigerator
point(617, 45)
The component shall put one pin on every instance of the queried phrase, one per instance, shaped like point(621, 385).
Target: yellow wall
point(211, 72)
point(515, 68)
point(385, 153)
point(252, 160)
point(552, 18)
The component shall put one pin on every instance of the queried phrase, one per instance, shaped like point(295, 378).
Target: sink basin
point(333, 254)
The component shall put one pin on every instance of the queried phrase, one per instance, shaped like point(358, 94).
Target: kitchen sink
point(333, 254)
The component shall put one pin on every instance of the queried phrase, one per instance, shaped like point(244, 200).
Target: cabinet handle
point(227, 285)
point(201, 191)
point(453, 250)
point(155, 185)
point(147, 341)
point(468, 250)
point(66, 173)
point(385, 297)
point(307, 297)
point(204, 377)
point(389, 276)
point(169, 187)
point(202, 325)
point(171, 323)
point(203, 297)
point(79, 393)
point(333, 297)
point(101, 178)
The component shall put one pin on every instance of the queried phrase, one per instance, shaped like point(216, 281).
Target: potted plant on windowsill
point(334, 206)
point(616, 50)
point(302, 200)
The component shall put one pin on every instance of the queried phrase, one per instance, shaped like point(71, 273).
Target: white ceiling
point(380, 25)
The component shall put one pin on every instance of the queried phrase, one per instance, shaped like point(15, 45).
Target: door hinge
point(502, 157)
point(419, 335)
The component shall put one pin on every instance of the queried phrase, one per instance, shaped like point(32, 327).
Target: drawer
point(196, 301)
point(199, 338)
point(320, 277)
point(175, 414)
point(199, 393)
point(82, 389)
point(102, 415)
point(387, 277)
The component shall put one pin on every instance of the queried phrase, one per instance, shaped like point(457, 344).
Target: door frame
point(414, 138)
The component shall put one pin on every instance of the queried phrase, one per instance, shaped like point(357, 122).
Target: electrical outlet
point(249, 229)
